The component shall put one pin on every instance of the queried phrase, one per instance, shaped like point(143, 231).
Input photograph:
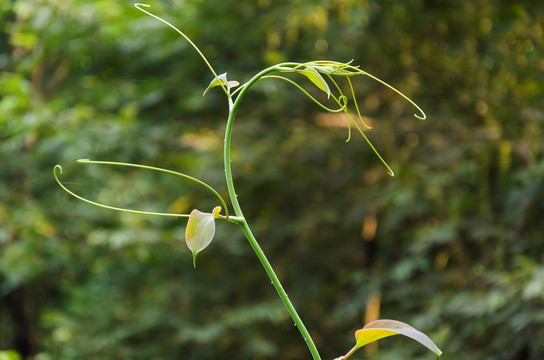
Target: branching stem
point(242, 221)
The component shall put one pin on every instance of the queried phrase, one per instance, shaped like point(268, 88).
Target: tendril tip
point(137, 5)
point(421, 117)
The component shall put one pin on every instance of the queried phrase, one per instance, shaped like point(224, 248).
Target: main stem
point(239, 219)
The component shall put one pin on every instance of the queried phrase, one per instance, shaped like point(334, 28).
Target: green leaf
point(380, 329)
point(316, 78)
point(335, 68)
point(200, 230)
point(221, 80)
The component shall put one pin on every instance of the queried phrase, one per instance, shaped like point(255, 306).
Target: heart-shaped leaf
point(221, 80)
point(380, 329)
point(316, 78)
point(200, 230)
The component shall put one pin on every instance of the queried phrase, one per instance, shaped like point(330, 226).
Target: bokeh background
point(453, 244)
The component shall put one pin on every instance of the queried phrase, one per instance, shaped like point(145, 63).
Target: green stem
point(279, 288)
point(233, 107)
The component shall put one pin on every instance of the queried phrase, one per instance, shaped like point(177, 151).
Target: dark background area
point(453, 244)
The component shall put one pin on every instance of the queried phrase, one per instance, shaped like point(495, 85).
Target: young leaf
point(221, 80)
point(380, 329)
point(200, 230)
point(316, 78)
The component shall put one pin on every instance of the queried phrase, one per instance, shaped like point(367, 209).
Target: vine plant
point(201, 225)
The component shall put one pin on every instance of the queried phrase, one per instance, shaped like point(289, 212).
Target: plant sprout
point(201, 225)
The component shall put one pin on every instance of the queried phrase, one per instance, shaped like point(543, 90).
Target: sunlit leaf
point(221, 80)
point(380, 329)
point(200, 230)
point(316, 78)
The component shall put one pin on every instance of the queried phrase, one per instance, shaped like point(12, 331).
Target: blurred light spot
point(442, 27)
point(486, 25)
point(321, 45)
point(24, 40)
point(535, 287)
point(521, 61)
point(370, 224)
point(319, 18)
point(528, 46)
point(505, 155)
point(372, 102)
point(339, 120)
point(441, 260)
point(372, 313)
point(481, 107)
point(273, 39)
point(291, 35)
point(180, 206)
point(412, 139)
point(203, 140)
point(273, 57)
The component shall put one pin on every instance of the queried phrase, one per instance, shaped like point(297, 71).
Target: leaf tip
point(216, 210)
point(315, 77)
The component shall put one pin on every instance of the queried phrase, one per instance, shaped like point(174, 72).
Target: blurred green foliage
point(454, 244)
